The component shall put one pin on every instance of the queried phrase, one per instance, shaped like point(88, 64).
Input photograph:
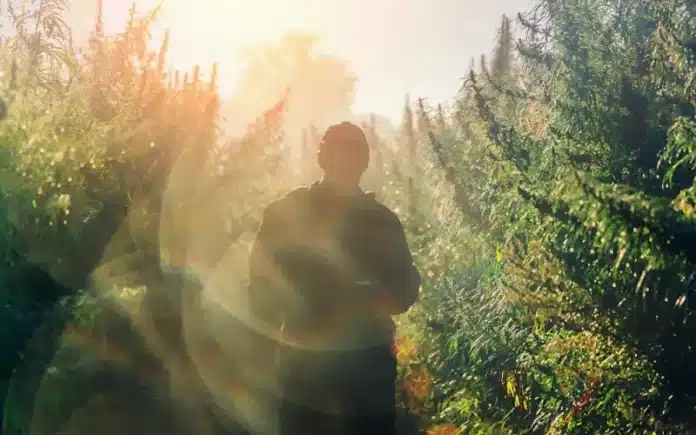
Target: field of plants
point(551, 211)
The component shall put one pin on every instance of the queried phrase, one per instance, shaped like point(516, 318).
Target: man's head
point(344, 153)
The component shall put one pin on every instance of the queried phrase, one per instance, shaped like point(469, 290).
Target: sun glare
point(217, 31)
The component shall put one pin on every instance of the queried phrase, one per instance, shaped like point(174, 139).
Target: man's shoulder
point(288, 200)
point(379, 206)
point(381, 213)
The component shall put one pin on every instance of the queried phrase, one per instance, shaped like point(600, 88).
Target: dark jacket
point(327, 268)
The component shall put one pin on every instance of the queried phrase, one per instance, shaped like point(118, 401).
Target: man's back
point(333, 256)
point(332, 265)
point(332, 269)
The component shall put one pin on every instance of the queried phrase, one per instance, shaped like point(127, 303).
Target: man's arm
point(265, 275)
point(398, 275)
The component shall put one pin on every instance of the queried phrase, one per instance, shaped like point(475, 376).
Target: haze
point(394, 47)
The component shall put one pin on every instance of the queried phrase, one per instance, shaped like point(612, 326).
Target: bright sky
point(421, 47)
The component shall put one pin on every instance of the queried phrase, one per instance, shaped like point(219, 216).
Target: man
point(329, 268)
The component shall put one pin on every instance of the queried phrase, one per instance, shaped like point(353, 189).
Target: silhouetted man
point(329, 268)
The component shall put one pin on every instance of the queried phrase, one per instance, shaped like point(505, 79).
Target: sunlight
point(525, 258)
point(214, 31)
point(220, 30)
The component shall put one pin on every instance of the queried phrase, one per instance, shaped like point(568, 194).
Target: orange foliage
point(444, 429)
point(418, 382)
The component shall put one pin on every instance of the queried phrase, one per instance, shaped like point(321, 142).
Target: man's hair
point(348, 140)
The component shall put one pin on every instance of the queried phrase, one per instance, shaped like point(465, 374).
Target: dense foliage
point(550, 209)
point(570, 160)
